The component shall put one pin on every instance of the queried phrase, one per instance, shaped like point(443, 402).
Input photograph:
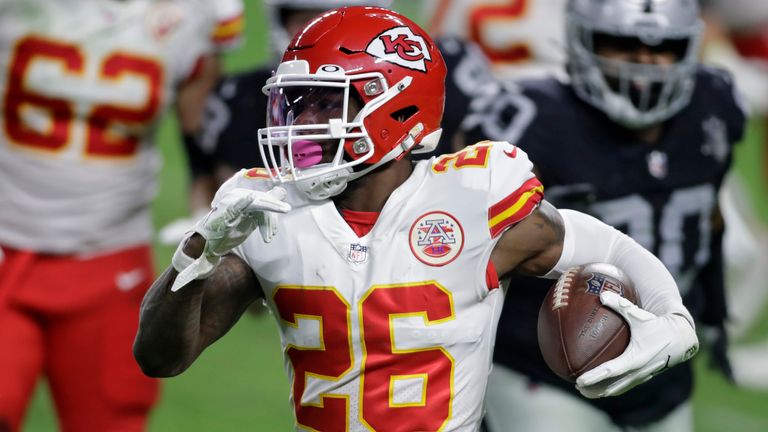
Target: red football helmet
point(356, 88)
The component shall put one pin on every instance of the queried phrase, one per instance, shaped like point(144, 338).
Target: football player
point(84, 84)
point(382, 273)
point(227, 142)
point(640, 137)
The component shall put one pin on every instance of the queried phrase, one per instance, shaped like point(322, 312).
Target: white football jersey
point(84, 83)
point(522, 38)
point(394, 330)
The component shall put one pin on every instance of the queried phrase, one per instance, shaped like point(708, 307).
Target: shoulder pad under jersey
point(715, 87)
point(500, 170)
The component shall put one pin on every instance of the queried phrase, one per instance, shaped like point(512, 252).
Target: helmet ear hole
point(402, 115)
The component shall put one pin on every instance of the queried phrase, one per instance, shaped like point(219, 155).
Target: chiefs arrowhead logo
point(399, 45)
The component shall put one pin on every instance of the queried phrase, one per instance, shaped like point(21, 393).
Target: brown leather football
point(576, 332)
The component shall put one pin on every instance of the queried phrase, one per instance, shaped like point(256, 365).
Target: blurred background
point(239, 383)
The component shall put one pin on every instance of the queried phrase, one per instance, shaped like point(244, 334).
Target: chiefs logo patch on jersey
point(436, 238)
point(399, 45)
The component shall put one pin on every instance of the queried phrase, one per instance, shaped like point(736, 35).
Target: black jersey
point(662, 195)
point(469, 78)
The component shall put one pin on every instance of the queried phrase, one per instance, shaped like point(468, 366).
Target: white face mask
point(311, 117)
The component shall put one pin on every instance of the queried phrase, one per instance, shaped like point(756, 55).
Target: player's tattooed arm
point(533, 246)
point(175, 327)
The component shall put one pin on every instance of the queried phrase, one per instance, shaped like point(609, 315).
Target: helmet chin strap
point(429, 141)
point(392, 155)
point(331, 184)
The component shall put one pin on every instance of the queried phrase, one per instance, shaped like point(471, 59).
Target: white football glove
point(656, 343)
point(226, 226)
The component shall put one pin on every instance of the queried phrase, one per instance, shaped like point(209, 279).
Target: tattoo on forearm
point(546, 238)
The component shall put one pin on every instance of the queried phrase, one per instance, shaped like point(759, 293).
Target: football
point(576, 332)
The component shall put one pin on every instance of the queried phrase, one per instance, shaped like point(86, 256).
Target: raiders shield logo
point(399, 45)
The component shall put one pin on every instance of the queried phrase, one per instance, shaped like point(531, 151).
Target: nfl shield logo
point(657, 164)
point(357, 253)
point(598, 283)
point(595, 284)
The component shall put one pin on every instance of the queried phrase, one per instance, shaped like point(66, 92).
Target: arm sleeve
point(589, 240)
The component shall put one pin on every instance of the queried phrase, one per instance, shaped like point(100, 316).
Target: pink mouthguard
point(306, 153)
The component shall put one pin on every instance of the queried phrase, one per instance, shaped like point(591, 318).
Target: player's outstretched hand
point(656, 343)
point(236, 216)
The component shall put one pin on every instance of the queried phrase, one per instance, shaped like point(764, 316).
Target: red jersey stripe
point(515, 207)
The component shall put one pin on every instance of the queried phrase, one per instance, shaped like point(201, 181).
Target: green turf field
point(239, 383)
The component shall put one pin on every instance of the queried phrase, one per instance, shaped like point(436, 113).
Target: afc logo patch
point(597, 283)
point(399, 45)
point(436, 238)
